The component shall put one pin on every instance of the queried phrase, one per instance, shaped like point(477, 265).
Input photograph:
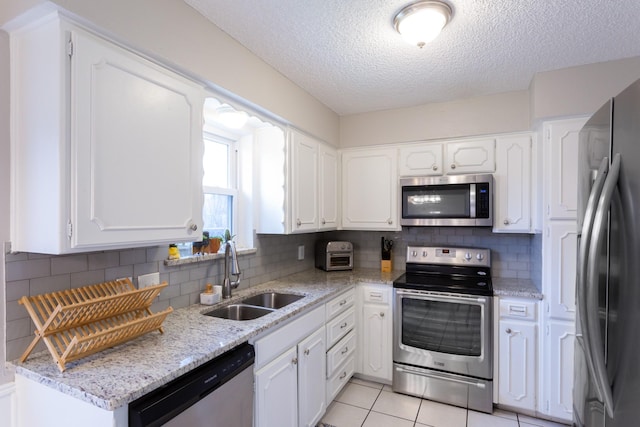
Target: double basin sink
point(254, 306)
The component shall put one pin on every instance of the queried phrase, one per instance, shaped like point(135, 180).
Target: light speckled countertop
point(119, 375)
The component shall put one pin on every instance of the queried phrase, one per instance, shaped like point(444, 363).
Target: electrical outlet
point(300, 252)
point(148, 280)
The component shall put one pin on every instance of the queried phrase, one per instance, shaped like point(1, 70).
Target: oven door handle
point(439, 296)
point(441, 377)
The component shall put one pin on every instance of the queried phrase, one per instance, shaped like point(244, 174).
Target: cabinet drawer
point(340, 303)
point(340, 326)
point(375, 295)
point(340, 378)
point(518, 309)
point(340, 352)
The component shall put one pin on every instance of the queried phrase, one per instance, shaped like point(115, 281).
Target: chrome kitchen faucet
point(227, 284)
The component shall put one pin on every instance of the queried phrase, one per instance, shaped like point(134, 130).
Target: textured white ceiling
point(347, 54)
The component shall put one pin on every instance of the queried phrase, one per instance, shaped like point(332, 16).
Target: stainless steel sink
point(239, 312)
point(271, 300)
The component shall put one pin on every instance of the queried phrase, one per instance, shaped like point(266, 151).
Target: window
point(219, 184)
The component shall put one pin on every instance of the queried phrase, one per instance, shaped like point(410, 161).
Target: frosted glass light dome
point(421, 22)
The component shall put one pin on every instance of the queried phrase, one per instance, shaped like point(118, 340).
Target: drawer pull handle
point(295, 361)
point(306, 352)
point(343, 302)
point(381, 314)
point(346, 349)
point(344, 325)
point(343, 376)
point(508, 330)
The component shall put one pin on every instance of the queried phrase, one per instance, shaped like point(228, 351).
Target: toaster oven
point(334, 255)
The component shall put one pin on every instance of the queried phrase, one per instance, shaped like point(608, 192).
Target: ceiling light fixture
point(421, 22)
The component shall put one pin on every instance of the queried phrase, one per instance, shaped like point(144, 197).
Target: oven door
point(443, 331)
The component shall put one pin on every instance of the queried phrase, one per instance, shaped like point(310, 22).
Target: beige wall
point(176, 33)
point(504, 112)
point(580, 90)
point(4, 183)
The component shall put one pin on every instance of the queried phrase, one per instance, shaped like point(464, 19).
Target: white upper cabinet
point(470, 156)
point(328, 187)
point(296, 183)
point(304, 197)
point(370, 189)
point(420, 159)
point(561, 168)
point(107, 146)
point(455, 157)
point(512, 180)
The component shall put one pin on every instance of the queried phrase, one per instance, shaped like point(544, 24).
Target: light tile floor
point(368, 404)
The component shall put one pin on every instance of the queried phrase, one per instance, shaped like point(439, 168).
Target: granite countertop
point(112, 378)
point(522, 288)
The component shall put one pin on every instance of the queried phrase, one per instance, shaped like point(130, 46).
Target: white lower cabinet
point(341, 342)
point(290, 384)
point(558, 361)
point(377, 332)
point(517, 353)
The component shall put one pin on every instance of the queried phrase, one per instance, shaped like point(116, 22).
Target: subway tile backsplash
point(513, 256)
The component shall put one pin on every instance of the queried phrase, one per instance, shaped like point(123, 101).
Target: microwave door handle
point(595, 346)
point(583, 248)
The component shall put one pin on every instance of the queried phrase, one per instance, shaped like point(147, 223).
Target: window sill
point(205, 257)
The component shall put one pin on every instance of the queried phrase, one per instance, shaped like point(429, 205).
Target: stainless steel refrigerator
point(607, 355)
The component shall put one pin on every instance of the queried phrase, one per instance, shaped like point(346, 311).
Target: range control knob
point(467, 256)
point(424, 254)
point(414, 254)
point(479, 256)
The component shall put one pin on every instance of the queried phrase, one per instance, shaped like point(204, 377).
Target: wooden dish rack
point(78, 322)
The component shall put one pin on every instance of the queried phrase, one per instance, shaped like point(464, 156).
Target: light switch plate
point(148, 280)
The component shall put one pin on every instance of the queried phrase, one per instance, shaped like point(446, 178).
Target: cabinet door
point(517, 364)
point(376, 335)
point(422, 159)
point(328, 188)
point(369, 189)
point(513, 184)
point(470, 156)
point(561, 168)
point(312, 379)
point(136, 149)
point(304, 164)
point(276, 388)
point(558, 381)
point(560, 250)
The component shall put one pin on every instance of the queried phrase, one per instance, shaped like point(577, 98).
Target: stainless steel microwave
point(457, 200)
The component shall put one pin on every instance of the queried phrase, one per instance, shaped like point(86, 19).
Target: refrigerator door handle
point(595, 345)
point(583, 249)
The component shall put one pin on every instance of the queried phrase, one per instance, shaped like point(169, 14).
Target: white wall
point(504, 112)
point(176, 33)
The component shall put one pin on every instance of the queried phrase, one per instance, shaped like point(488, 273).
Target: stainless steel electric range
point(442, 332)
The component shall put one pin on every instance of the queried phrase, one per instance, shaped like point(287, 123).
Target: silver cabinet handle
point(343, 302)
point(343, 376)
point(435, 167)
point(294, 361)
point(298, 222)
point(508, 330)
point(306, 352)
point(506, 222)
point(453, 165)
point(381, 314)
point(600, 220)
point(193, 227)
point(323, 221)
point(344, 325)
point(389, 221)
point(346, 349)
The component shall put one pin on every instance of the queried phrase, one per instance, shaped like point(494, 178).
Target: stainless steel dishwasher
point(216, 394)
